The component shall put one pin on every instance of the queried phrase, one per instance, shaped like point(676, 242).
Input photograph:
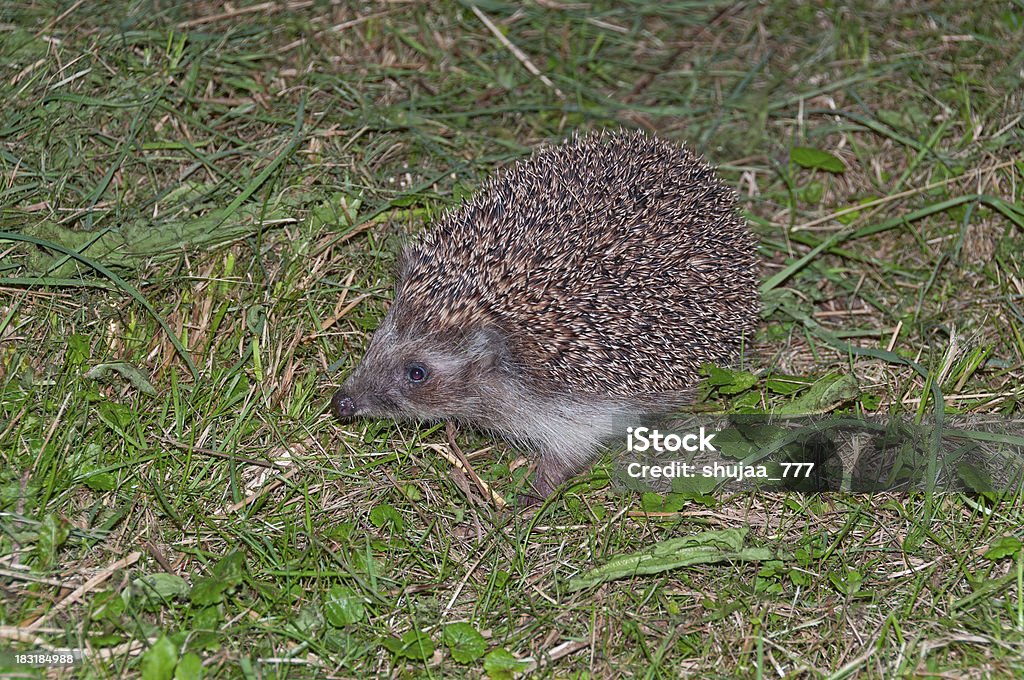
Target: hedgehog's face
point(431, 376)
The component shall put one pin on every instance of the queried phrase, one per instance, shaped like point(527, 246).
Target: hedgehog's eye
point(417, 372)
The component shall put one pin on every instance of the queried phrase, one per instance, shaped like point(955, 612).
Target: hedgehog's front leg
point(551, 470)
point(566, 435)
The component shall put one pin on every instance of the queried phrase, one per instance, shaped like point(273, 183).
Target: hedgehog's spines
point(605, 271)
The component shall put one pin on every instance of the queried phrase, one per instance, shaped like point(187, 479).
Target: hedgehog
point(579, 292)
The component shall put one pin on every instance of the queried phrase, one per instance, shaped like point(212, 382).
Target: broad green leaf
point(159, 660)
point(99, 481)
point(808, 157)
point(870, 402)
point(854, 215)
point(823, 396)
point(306, 621)
point(717, 376)
point(847, 584)
point(1003, 547)
point(190, 667)
point(725, 545)
point(465, 642)
point(343, 606)
point(414, 645)
point(208, 591)
point(161, 586)
point(741, 382)
point(651, 502)
point(133, 375)
point(106, 604)
point(729, 381)
point(976, 478)
point(78, 349)
point(231, 567)
point(786, 384)
point(500, 664)
point(225, 575)
point(385, 514)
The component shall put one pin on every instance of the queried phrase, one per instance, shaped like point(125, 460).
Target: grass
point(200, 210)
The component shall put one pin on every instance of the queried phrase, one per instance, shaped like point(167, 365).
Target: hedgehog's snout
point(343, 405)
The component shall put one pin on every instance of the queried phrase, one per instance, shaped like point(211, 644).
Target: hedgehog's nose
point(343, 405)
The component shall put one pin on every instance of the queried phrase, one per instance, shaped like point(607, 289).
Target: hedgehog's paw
point(536, 492)
point(552, 471)
point(528, 500)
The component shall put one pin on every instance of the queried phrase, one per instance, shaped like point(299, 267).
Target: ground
point(201, 206)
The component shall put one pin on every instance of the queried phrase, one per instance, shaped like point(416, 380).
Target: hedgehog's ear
point(402, 265)
point(487, 347)
point(410, 255)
